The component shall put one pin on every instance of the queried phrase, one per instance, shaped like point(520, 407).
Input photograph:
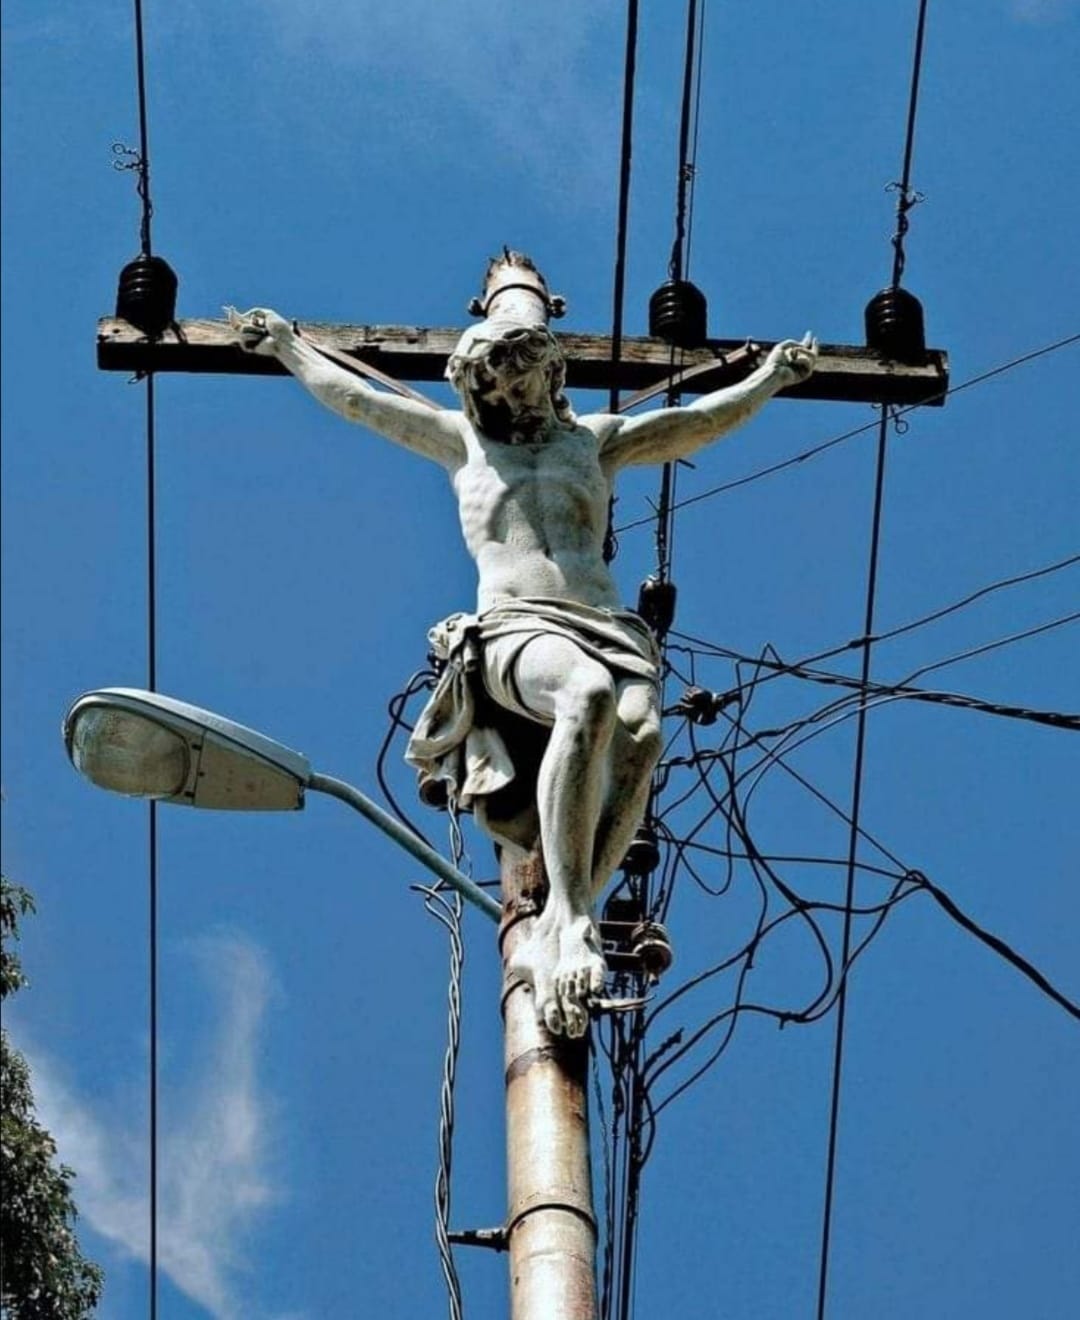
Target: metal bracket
point(495, 1239)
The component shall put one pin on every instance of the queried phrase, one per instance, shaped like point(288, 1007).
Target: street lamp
point(142, 744)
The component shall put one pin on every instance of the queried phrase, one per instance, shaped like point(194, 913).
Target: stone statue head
point(497, 369)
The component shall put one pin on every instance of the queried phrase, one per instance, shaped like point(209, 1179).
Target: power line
point(849, 891)
point(903, 205)
point(621, 230)
point(856, 431)
point(993, 646)
point(626, 152)
point(151, 610)
point(142, 166)
point(1052, 718)
point(905, 198)
point(780, 667)
point(976, 595)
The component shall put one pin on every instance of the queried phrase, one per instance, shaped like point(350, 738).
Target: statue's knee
point(639, 715)
point(648, 738)
point(590, 697)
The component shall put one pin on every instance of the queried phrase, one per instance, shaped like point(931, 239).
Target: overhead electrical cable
point(141, 165)
point(860, 731)
point(993, 646)
point(635, 1115)
point(802, 668)
point(806, 454)
point(626, 152)
point(1052, 718)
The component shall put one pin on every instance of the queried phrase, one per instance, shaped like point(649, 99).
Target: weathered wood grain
point(844, 372)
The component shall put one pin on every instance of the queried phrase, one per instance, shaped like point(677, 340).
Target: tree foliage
point(43, 1274)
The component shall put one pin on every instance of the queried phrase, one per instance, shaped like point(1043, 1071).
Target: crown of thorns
point(509, 347)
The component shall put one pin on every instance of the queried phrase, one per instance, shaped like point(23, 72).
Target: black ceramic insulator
point(698, 705)
point(894, 326)
point(656, 604)
point(146, 294)
point(643, 855)
point(651, 944)
point(678, 313)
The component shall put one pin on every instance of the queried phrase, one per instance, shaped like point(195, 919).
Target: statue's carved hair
point(494, 347)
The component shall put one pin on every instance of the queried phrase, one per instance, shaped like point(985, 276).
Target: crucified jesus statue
point(549, 642)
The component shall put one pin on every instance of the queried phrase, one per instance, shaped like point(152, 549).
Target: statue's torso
point(534, 517)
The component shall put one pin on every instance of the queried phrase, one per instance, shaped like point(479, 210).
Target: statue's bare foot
point(579, 973)
point(534, 962)
point(563, 962)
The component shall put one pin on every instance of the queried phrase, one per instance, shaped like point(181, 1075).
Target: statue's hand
point(258, 329)
point(794, 358)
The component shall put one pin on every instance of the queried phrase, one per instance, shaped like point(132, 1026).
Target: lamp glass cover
point(129, 753)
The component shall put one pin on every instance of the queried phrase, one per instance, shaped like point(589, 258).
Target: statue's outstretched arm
point(665, 434)
point(433, 433)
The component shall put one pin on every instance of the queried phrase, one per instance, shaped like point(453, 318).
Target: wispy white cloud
point(213, 1178)
point(1044, 11)
point(527, 75)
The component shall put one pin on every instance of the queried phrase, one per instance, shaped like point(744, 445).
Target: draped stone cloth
point(457, 747)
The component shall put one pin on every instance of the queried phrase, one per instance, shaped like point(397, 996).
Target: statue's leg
point(562, 959)
point(635, 748)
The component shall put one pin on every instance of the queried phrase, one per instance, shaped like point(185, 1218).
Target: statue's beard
point(511, 426)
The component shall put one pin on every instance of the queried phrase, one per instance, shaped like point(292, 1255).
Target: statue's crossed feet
point(563, 962)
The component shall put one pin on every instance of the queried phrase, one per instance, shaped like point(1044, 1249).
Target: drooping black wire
point(974, 596)
point(144, 134)
point(814, 450)
point(853, 844)
point(421, 681)
point(677, 264)
point(679, 1045)
point(637, 1115)
point(780, 667)
point(1053, 718)
point(797, 907)
point(692, 160)
point(993, 646)
point(151, 631)
point(622, 228)
point(906, 199)
point(998, 945)
point(904, 884)
point(143, 168)
point(904, 203)
point(677, 269)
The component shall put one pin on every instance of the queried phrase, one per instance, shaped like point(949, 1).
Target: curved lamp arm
point(143, 744)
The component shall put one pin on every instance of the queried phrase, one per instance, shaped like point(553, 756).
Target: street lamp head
point(146, 745)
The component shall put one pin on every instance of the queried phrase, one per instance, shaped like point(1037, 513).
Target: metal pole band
point(560, 1198)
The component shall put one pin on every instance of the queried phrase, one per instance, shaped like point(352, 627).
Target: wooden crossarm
point(844, 372)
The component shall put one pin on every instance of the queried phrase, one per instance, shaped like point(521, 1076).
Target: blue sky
point(360, 162)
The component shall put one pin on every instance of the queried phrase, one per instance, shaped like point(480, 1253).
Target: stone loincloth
point(457, 747)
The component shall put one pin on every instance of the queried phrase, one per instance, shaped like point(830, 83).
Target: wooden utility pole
point(550, 1223)
point(550, 1229)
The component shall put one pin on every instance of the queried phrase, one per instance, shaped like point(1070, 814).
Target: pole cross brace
point(844, 372)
